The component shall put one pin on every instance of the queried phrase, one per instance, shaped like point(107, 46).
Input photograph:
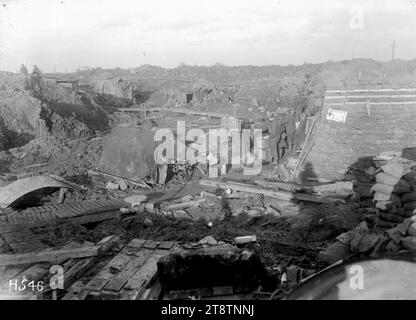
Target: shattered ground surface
point(283, 243)
point(63, 134)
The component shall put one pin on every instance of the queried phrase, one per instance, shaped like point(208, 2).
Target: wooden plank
point(9, 272)
point(114, 286)
point(371, 103)
point(35, 272)
point(370, 96)
point(107, 273)
point(50, 256)
point(138, 286)
point(96, 284)
point(136, 243)
point(153, 292)
point(135, 285)
point(148, 272)
point(166, 245)
point(78, 267)
point(76, 292)
point(186, 204)
point(370, 90)
point(288, 186)
point(283, 195)
point(178, 110)
point(149, 244)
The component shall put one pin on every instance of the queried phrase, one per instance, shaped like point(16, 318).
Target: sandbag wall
point(395, 192)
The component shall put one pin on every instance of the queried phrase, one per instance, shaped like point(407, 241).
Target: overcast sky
point(129, 33)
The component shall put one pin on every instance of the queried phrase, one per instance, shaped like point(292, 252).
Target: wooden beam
point(78, 267)
point(175, 206)
point(371, 90)
point(51, 255)
point(369, 96)
point(178, 110)
point(280, 185)
point(283, 195)
point(372, 103)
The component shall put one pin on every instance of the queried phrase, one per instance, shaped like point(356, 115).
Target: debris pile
point(394, 189)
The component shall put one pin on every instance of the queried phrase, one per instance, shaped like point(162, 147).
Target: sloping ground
point(19, 112)
point(47, 133)
point(58, 113)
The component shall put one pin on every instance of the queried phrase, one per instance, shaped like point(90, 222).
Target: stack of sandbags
point(389, 188)
point(385, 157)
point(408, 199)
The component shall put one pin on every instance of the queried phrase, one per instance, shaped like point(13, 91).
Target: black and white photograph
point(207, 155)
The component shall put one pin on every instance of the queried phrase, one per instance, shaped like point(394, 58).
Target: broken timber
point(177, 110)
point(51, 255)
point(76, 268)
point(280, 185)
point(283, 195)
point(140, 183)
point(128, 276)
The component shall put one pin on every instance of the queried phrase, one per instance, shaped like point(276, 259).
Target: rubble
point(225, 236)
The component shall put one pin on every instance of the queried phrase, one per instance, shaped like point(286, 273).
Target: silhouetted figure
point(290, 127)
point(276, 129)
point(23, 70)
point(37, 80)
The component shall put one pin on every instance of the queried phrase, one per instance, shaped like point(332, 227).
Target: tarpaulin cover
point(113, 87)
point(128, 152)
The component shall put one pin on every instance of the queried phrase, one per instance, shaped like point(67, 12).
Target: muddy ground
point(66, 134)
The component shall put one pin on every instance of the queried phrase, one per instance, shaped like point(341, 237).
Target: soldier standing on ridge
point(36, 79)
point(290, 127)
point(276, 129)
point(23, 69)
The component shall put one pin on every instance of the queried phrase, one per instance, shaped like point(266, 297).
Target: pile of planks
point(38, 268)
point(130, 275)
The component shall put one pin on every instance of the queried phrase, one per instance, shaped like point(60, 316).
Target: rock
point(112, 186)
point(208, 240)
point(207, 194)
point(214, 266)
point(245, 239)
point(148, 222)
point(181, 214)
point(254, 213)
point(272, 210)
point(136, 199)
point(150, 207)
point(125, 210)
point(122, 185)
